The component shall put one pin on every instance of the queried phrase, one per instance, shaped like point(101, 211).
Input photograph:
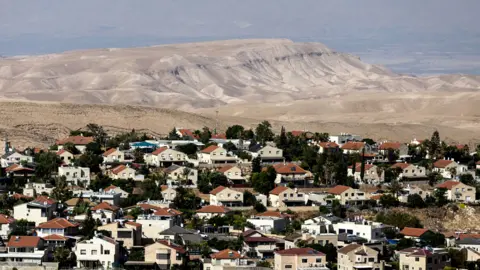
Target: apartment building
point(301, 259)
point(77, 176)
point(458, 191)
point(128, 233)
point(33, 189)
point(417, 258)
point(25, 250)
point(224, 196)
point(355, 256)
point(282, 196)
point(39, 210)
point(100, 252)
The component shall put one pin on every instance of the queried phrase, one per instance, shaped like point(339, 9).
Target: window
point(318, 260)
point(304, 260)
point(106, 252)
point(288, 266)
point(417, 259)
point(83, 252)
point(371, 259)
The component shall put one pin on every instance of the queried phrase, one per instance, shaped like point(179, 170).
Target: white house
point(214, 154)
point(233, 174)
point(258, 245)
point(7, 224)
point(160, 220)
point(269, 154)
point(34, 189)
point(113, 155)
point(224, 196)
point(75, 175)
point(65, 156)
point(210, 211)
point(371, 174)
point(80, 142)
point(282, 196)
point(16, 158)
point(369, 230)
point(344, 138)
point(225, 259)
point(353, 147)
point(168, 193)
point(176, 173)
point(105, 212)
point(410, 170)
point(447, 168)
point(100, 252)
point(115, 189)
point(123, 172)
point(57, 226)
point(25, 250)
point(164, 157)
point(39, 210)
point(268, 221)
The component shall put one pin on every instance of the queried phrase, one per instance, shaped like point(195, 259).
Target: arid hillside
point(209, 74)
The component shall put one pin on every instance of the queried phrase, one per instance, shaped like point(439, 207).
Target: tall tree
point(394, 188)
point(61, 192)
point(264, 132)
point(435, 145)
point(47, 164)
point(173, 135)
point(234, 132)
point(256, 165)
point(205, 135)
point(362, 166)
point(282, 140)
point(98, 133)
point(88, 225)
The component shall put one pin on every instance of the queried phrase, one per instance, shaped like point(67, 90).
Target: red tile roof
point(225, 168)
point(353, 145)
point(109, 151)
point(176, 247)
point(188, 133)
point(339, 189)
point(4, 219)
point(448, 184)
point(146, 206)
point(468, 235)
point(159, 150)
point(167, 212)
point(76, 140)
point(23, 241)
point(213, 209)
point(259, 239)
point(55, 237)
point(416, 252)
point(210, 149)
point(390, 145)
point(300, 251)
point(401, 165)
point(57, 223)
point(217, 190)
point(17, 167)
point(111, 187)
point(18, 196)
point(271, 214)
point(376, 197)
point(61, 151)
point(131, 223)
point(118, 169)
point(328, 145)
point(105, 206)
point(278, 190)
point(43, 200)
point(219, 136)
point(226, 254)
point(297, 133)
point(413, 232)
point(442, 163)
point(288, 168)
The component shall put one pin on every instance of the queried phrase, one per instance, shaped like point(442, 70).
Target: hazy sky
point(413, 36)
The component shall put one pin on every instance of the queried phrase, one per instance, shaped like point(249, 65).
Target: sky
point(408, 36)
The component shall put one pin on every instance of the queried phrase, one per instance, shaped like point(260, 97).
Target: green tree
point(61, 193)
point(88, 225)
point(338, 209)
point(90, 160)
point(321, 137)
point(435, 145)
point(94, 148)
point(440, 196)
point(70, 147)
point(205, 135)
point(229, 146)
point(188, 149)
point(256, 165)
point(433, 239)
point(395, 188)
point(47, 164)
point(467, 179)
point(98, 133)
point(264, 182)
point(248, 198)
point(235, 132)
point(248, 134)
point(369, 141)
point(362, 165)
point(244, 155)
point(173, 135)
point(259, 207)
point(388, 200)
point(64, 257)
point(415, 201)
point(203, 182)
point(434, 178)
point(282, 139)
point(264, 132)
point(398, 219)
point(404, 243)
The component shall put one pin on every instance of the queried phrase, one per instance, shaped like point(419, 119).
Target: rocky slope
point(203, 75)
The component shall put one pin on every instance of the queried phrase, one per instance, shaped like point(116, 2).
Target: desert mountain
point(203, 75)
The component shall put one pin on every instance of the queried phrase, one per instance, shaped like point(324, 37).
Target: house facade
point(418, 258)
point(100, 252)
point(282, 196)
point(371, 174)
point(290, 173)
point(348, 195)
point(214, 154)
point(164, 254)
point(28, 250)
point(123, 172)
point(355, 256)
point(458, 191)
point(113, 155)
point(300, 258)
point(269, 221)
point(224, 196)
point(182, 175)
point(65, 156)
point(269, 154)
point(75, 175)
point(129, 233)
point(164, 157)
point(80, 142)
point(39, 210)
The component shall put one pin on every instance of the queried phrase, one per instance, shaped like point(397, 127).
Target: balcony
point(314, 267)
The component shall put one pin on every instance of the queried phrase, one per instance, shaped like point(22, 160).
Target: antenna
point(216, 121)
